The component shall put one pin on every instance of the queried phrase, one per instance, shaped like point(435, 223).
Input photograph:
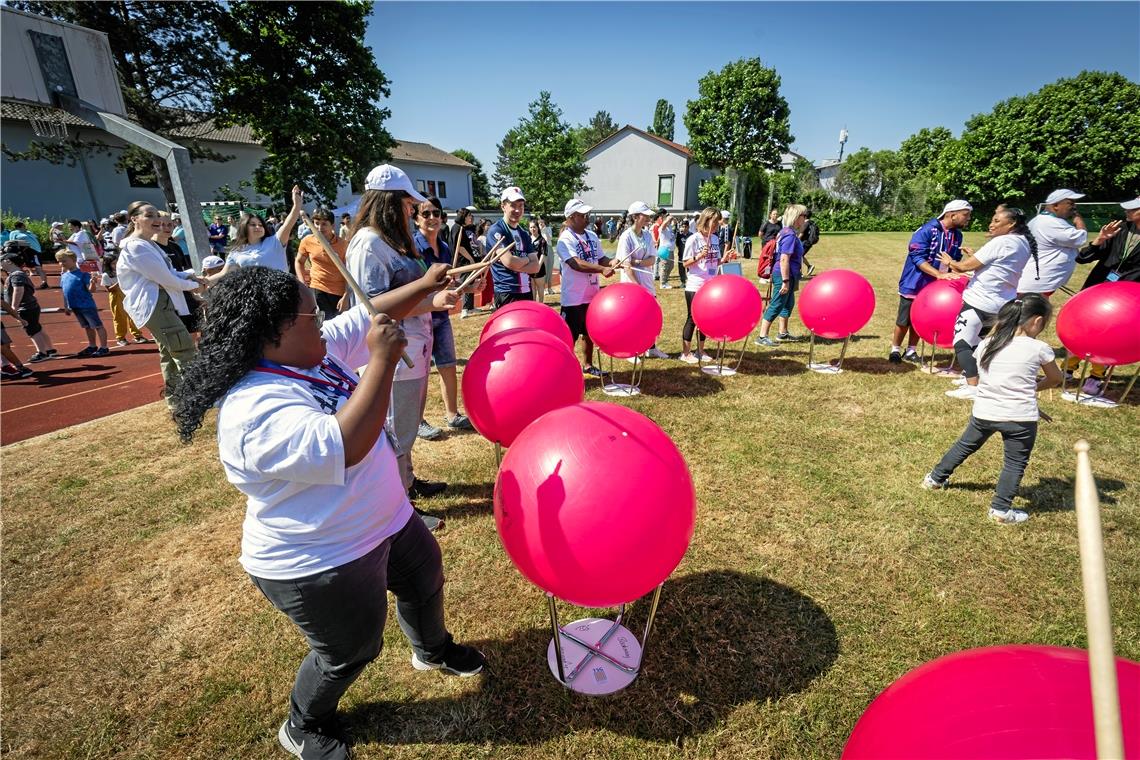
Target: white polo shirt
point(1058, 242)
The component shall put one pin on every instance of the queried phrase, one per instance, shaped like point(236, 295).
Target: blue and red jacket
point(928, 241)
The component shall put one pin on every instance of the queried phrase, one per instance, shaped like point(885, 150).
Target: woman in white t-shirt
point(701, 258)
point(328, 527)
point(1006, 402)
point(997, 268)
point(253, 247)
point(636, 256)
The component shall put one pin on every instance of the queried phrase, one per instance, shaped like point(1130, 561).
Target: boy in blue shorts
point(77, 300)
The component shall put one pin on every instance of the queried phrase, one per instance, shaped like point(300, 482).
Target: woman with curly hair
point(328, 528)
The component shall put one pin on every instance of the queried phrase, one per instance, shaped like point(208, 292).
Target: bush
point(41, 228)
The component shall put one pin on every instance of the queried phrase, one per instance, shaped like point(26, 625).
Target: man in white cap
point(923, 266)
point(580, 252)
point(511, 274)
point(1060, 232)
point(1116, 251)
point(724, 233)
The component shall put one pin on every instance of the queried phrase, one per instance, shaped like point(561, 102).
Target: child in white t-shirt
point(1006, 402)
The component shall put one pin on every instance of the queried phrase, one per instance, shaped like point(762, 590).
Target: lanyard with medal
point(344, 385)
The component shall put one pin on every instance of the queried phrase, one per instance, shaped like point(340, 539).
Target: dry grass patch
point(818, 574)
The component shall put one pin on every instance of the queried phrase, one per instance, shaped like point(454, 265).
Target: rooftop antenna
point(842, 142)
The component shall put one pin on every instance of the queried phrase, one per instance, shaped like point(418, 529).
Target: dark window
point(442, 189)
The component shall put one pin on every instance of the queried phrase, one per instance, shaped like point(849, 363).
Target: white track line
point(73, 395)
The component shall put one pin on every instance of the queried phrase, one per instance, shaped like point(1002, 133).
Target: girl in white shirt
point(701, 258)
point(637, 256)
point(328, 527)
point(252, 247)
point(1006, 401)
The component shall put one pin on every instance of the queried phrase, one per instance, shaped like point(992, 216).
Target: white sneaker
point(657, 353)
point(666, 287)
point(688, 358)
point(958, 381)
point(1008, 517)
point(966, 391)
point(466, 313)
point(706, 359)
point(930, 484)
point(632, 360)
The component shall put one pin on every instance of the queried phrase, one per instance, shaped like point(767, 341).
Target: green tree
point(871, 178)
point(921, 151)
point(600, 126)
point(1071, 133)
point(664, 120)
point(739, 122)
point(541, 156)
point(714, 192)
point(480, 187)
point(169, 64)
point(502, 176)
point(303, 80)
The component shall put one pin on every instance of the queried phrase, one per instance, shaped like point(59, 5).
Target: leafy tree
point(738, 122)
point(502, 175)
point(305, 83)
point(871, 179)
point(480, 187)
point(600, 126)
point(714, 192)
point(664, 120)
point(541, 156)
point(169, 64)
point(1071, 133)
point(921, 151)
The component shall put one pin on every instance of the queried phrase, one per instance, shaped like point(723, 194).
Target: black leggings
point(690, 325)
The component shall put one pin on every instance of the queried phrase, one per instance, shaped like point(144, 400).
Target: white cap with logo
point(1062, 195)
point(388, 177)
point(955, 205)
point(639, 207)
point(724, 214)
point(1131, 205)
point(511, 194)
point(576, 206)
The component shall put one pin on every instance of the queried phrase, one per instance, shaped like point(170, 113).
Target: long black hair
point(247, 309)
point(1021, 227)
point(1013, 315)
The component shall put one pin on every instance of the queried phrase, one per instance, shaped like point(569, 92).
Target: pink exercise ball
point(837, 303)
point(727, 307)
point(514, 377)
point(934, 312)
point(994, 703)
point(594, 504)
point(1102, 323)
point(530, 314)
point(624, 320)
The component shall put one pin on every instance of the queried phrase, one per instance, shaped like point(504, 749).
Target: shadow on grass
point(470, 499)
point(1052, 494)
point(722, 639)
point(679, 381)
point(876, 366)
point(767, 364)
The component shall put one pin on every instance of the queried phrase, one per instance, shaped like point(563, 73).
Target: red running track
point(68, 390)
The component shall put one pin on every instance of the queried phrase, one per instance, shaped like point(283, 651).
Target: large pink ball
point(727, 307)
point(514, 377)
point(994, 703)
point(934, 312)
point(624, 320)
point(837, 303)
point(1102, 323)
point(594, 504)
point(530, 314)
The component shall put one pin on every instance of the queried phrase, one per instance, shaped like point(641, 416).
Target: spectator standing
point(345, 229)
point(770, 228)
point(683, 234)
point(580, 251)
point(809, 236)
point(178, 235)
point(219, 237)
point(702, 258)
point(511, 274)
point(785, 275)
point(636, 254)
point(666, 239)
point(538, 279)
point(81, 244)
point(318, 271)
point(21, 295)
point(164, 240)
point(32, 251)
point(77, 301)
point(119, 231)
point(466, 248)
point(1059, 232)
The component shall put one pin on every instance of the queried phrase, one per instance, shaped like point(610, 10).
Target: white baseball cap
point(212, 261)
point(955, 205)
point(511, 194)
point(388, 177)
point(639, 207)
point(1060, 195)
point(1131, 205)
point(576, 206)
point(724, 214)
point(470, 208)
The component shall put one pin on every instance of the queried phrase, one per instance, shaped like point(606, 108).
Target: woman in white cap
point(701, 258)
point(997, 267)
point(636, 256)
point(382, 256)
point(1060, 232)
point(252, 245)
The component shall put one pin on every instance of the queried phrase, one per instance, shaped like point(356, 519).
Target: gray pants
point(665, 268)
point(342, 612)
point(409, 397)
point(1017, 438)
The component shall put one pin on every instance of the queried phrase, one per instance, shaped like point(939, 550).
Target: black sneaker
point(895, 357)
point(38, 356)
point(51, 352)
point(24, 372)
point(10, 374)
point(431, 522)
point(592, 371)
point(89, 351)
point(102, 351)
point(458, 660)
point(425, 488)
point(460, 422)
point(311, 745)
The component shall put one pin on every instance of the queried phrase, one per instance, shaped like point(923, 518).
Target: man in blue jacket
point(921, 267)
point(511, 274)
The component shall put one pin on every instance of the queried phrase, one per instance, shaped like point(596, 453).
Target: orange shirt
point(323, 274)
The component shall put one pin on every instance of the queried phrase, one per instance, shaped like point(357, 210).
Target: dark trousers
point(682, 270)
point(502, 299)
point(327, 302)
point(1017, 438)
point(468, 301)
point(342, 612)
point(690, 325)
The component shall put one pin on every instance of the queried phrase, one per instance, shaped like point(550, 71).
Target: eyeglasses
point(316, 314)
point(431, 213)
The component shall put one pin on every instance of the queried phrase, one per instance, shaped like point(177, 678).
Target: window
point(421, 186)
point(665, 190)
point(442, 189)
point(431, 187)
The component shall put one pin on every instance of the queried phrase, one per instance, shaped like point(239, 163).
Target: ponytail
point(1013, 315)
point(1021, 227)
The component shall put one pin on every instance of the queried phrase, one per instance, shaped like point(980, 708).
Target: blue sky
point(462, 74)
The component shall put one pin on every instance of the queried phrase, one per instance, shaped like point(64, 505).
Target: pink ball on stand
point(527, 314)
point(994, 703)
point(727, 307)
point(516, 376)
point(624, 320)
point(837, 303)
point(934, 312)
point(1102, 323)
point(594, 504)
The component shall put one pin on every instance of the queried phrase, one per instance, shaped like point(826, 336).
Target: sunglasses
point(316, 314)
point(430, 213)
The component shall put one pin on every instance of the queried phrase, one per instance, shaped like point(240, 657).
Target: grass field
point(818, 574)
